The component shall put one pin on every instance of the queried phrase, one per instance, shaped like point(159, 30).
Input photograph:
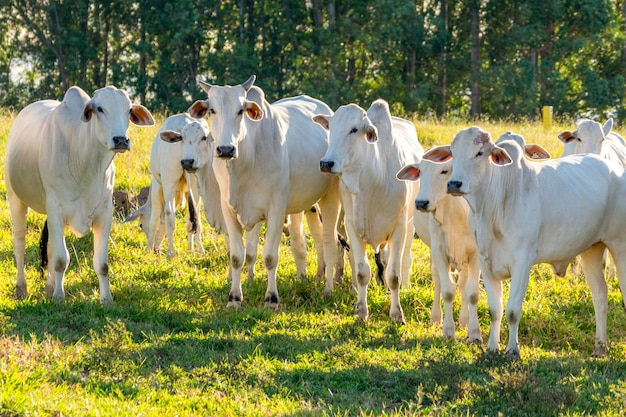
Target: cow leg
point(154, 226)
point(439, 259)
point(273, 235)
point(101, 232)
point(435, 311)
point(520, 275)
point(252, 246)
point(591, 262)
point(237, 254)
point(471, 290)
point(330, 207)
point(169, 196)
point(407, 258)
point(194, 237)
point(317, 233)
point(18, 216)
point(393, 273)
point(493, 288)
point(60, 257)
point(298, 243)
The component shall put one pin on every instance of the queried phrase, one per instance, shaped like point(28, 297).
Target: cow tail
point(193, 214)
point(380, 268)
point(43, 248)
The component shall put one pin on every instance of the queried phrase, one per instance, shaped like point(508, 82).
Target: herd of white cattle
point(495, 208)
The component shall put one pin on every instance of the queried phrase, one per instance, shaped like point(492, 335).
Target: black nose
point(226, 152)
point(326, 166)
point(121, 142)
point(454, 186)
point(421, 205)
point(187, 164)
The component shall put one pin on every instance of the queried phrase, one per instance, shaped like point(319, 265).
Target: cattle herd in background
point(482, 207)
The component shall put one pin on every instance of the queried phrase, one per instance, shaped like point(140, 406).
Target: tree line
point(439, 58)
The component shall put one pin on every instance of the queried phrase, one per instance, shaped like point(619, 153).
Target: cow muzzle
point(454, 187)
point(226, 152)
point(121, 143)
point(422, 205)
point(187, 165)
point(327, 166)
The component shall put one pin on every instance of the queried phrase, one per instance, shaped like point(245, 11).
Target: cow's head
point(349, 128)
point(109, 112)
point(226, 107)
point(433, 172)
point(587, 138)
point(196, 142)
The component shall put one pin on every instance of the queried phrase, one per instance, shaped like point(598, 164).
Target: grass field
point(169, 347)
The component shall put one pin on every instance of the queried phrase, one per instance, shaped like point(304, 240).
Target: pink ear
point(88, 111)
point(140, 116)
point(253, 111)
point(170, 136)
point(410, 172)
point(438, 154)
point(371, 134)
point(567, 136)
point(536, 152)
point(322, 120)
point(198, 109)
point(500, 157)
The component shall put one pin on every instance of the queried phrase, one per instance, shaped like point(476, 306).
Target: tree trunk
point(475, 63)
point(443, 75)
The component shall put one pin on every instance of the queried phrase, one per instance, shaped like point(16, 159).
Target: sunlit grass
point(169, 346)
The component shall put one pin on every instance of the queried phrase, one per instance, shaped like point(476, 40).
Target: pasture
point(168, 345)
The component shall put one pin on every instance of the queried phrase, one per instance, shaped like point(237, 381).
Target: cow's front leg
point(237, 255)
point(101, 231)
point(60, 257)
point(591, 261)
point(270, 259)
point(393, 276)
point(520, 275)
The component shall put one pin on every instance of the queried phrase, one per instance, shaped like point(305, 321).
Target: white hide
point(451, 245)
point(366, 150)
point(59, 162)
point(266, 165)
point(524, 213)
point(179, 149)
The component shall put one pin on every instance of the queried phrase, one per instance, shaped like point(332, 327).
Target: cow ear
point(198, 109)
point(536, 152)
point(205, 86)
point(371, 133)
point(135, 215)
point(141, 116)
point(608, 125)
point(253, 110)
point(88, 111)
point(322, 120)
point(170, 136)
point(500, 157)
point(567, 136)
point(409, 172)
point(249, 82)
point(438, 154)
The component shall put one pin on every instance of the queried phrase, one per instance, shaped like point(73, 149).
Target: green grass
point(169, 347)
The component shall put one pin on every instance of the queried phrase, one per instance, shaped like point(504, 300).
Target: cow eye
point(578, 139)
point(479, 153)
point(211, 110)
point(100, 109)
point(353, 130)
point(240, 112)
point(444, 172)
point(203, 138)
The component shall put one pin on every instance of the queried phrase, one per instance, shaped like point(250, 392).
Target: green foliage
point(416, 55)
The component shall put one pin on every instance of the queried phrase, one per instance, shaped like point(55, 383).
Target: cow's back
point(30, 129)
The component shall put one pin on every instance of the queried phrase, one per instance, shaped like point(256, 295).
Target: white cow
point(592, 137)
point(266, 164)
point(173, 170)
point(524, 213)
point(451, 245)
point(366, 151)
point(59, 162)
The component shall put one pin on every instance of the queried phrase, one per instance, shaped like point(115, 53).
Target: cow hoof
point(328, 293)
point(600, 350)
point(513, 354)
point(106, 301)
point(58, 298)
point(362, 311)
point(234, 301)
point(21, 293)
point(271, 302)
point(449, 332)
point(171, 255)
point(397, 316)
